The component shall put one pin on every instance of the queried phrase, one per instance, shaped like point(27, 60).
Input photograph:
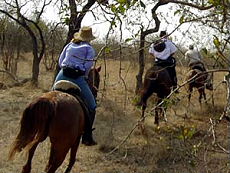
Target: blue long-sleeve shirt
point(77, 56)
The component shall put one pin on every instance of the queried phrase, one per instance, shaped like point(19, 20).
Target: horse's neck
point(93, 79)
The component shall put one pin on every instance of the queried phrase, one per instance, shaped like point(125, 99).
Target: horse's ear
point(99, 69)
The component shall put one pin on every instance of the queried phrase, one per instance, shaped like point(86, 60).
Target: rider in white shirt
point(169, 50)
point(163, 51)
point(194, 59)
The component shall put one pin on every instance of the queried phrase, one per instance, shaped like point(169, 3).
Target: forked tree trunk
point(30, 26)
point(75, 22)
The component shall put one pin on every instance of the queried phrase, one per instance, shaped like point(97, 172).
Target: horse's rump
point(68, 123)
point(54, 113)
point(158, 78)
point(197, 77)
point(197, 65)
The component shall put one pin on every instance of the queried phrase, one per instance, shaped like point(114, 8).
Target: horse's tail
point(148, 84)
point(34, 125)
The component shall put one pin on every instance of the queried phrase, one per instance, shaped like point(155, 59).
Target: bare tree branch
point(191, 4)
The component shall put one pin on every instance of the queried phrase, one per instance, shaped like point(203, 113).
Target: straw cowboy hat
point(85, 34)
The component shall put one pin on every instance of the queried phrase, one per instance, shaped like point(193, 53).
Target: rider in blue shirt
point(75, 61)
point(77, 56)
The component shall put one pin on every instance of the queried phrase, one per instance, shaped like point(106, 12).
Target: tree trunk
point(36, 62)
point(16, 59)
point(228, 106)
point(77, 17)
point(141, 60)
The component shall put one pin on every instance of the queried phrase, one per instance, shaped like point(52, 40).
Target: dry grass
point(181, 145)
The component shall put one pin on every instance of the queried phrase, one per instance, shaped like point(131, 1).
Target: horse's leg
point(163, 111)
point(189, 94)
point(50, 159)
point(143, 104)
point(157, 112)
point(156, 117)
point(144, 98)
point(73, 155)
point(57, 156)
point(204, 95)
point(27, 166)
point(143, 110)
point(200, 90)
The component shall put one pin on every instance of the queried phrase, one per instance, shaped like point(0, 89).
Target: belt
point(73, 73)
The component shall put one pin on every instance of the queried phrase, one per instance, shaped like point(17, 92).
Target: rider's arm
point(62, 56)
point(200, 56)
point(90, 58)
point(171, 46)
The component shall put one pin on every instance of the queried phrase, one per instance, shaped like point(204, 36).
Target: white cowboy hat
point(85, 34)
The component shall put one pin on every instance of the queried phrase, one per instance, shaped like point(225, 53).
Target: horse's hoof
point(157, 123)
point(157, 127)
point(176, 92)
point(26, 169)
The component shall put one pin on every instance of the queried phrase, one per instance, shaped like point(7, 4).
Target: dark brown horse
point(58, 115)
point(157, 80)
point(200, 80)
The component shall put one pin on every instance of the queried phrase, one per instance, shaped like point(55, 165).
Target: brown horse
point(94, 80)
point(200, 80)
point(58, 115)
point(157, 80)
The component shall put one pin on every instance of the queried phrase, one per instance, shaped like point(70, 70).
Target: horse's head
point(94, 80)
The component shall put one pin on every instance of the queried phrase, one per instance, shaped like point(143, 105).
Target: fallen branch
point(10, 74)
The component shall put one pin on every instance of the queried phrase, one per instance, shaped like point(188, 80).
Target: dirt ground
point(191, 141)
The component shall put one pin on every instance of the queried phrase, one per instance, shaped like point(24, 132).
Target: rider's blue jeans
point(86, 93)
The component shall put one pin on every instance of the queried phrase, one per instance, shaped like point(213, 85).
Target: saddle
point(169, 62)
point(66, 86)
point(168, 65)
point(198, 66)
point(72, 89)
